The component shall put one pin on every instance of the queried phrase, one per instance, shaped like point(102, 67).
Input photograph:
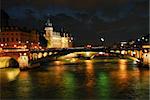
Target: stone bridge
point(29, 58)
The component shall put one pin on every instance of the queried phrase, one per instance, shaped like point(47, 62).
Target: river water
point(89, 79)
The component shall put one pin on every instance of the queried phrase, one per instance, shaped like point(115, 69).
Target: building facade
point(13, 37)
point(56, 39)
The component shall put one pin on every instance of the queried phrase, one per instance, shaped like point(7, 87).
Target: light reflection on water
point(8, 74)
point(90, 77)
point(88, 80)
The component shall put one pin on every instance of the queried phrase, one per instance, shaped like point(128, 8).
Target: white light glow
point(2, 45)
point(143, 38)
point(102, 39)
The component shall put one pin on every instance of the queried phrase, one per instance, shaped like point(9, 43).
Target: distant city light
point(19, 42)
point(40, 47)
point(134, 52)
point(146, 39)
point(25, 54)
point(145, 50)
point(35, 47)
point(123, 43)
point(101, 53)
point(123, 52)
point(111, 50)
point(25, 46)
point(138, 39)
point(143, 38)
point(132, 42)
point(88, 46)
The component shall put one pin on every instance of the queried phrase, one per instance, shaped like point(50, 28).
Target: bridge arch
point(8, 62)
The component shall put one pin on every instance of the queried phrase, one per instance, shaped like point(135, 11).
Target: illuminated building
point(13, 37)
point(55, 39)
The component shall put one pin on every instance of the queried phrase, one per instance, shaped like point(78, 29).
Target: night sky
point(86, 20)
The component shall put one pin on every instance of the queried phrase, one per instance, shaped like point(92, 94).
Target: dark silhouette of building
point(4, 18)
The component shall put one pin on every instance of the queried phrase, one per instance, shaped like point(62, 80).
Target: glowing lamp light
point(101, 52)
point(45, 54)
point(15, 46)
point(117, 51)
point(143, 38)
point(27, 41)
point(40, 47)
point(123, 52)
point(2, 45)
point(122, 45)
point(50, 53)
point(111, 50)
point(145, 51)
point(25, 54)
point(25, 46)
point(138, 39)
point(146, 39)
point(40, 55)
point(88, 46)
point(134, 52)
point(5, 44)
point(19, 42)
point(35, 47)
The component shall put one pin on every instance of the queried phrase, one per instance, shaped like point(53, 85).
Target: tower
point(48, 33)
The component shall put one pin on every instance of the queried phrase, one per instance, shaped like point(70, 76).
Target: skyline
point(86, 21)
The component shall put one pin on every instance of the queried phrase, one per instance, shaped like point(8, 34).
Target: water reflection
point(103, 86)
point(24, 85)
point(90, 77)
point(58, 75)
point(69, 85)
point(122, 73)
point(88, 80)
point(8, 74)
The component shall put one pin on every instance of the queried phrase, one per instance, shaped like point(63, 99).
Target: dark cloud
point(87, 20)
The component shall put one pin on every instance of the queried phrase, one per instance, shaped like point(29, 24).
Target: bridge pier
point(23, 61)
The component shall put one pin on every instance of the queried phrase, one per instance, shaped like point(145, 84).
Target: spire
point(48, 23)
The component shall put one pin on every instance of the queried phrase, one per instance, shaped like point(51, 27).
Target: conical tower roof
point(48, 23)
